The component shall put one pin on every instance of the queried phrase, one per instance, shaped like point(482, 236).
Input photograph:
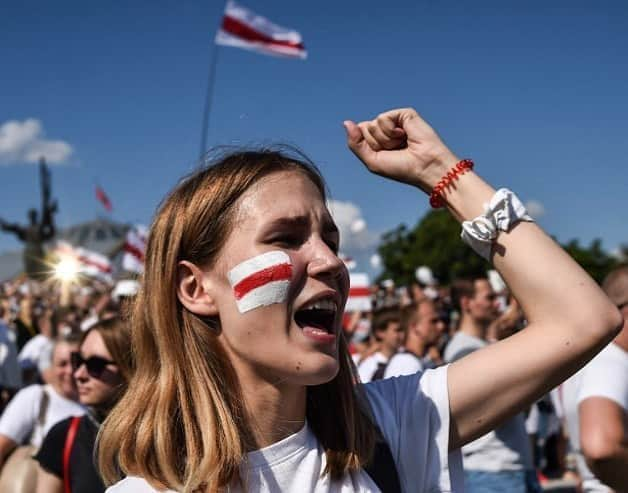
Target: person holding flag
point(243, 379)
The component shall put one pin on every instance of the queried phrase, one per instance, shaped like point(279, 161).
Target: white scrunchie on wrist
point(500, 214)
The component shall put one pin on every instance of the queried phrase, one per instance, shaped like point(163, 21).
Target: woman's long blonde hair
point(181, 424)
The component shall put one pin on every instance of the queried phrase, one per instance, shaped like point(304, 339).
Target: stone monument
point(37, 231)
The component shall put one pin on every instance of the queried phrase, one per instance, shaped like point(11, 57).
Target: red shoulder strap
point(67, 450)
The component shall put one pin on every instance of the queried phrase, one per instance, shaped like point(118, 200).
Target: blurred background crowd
point(65, 357)
point(573, 439)
point(391, 329)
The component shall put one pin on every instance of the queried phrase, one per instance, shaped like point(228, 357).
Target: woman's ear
point(192, 292)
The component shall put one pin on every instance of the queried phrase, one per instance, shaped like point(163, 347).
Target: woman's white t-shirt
point(413, 414)
point(20, 420)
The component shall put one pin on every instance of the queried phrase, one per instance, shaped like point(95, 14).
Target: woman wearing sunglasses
point(35, 410)
point(102, 368)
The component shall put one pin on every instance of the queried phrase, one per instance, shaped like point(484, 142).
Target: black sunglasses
point(95, 365)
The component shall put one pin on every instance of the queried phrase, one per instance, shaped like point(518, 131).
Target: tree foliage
point(435, 242)
point(592, 259)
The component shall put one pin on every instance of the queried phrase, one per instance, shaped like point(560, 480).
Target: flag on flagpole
point(134, 249)
point(103, 199)
point(244, 29)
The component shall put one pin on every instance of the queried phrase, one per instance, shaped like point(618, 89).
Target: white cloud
point(25, 142)
point(358, 226)
point(535, 208)
point(619, 252)
point(375, 261)
point(355, 236)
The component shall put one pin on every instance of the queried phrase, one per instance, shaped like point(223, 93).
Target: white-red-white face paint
point(261, 280)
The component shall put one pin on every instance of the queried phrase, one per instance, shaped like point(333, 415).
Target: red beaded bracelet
point(436, 199)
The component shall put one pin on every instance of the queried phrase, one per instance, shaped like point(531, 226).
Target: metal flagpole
point(210, 90)
point(208, 100)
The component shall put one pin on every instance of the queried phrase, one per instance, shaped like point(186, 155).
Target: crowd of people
point(425, 325)
point(63, 366)
point(231, 366)
point(49, 350)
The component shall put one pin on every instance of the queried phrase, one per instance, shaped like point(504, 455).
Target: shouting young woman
point(244, 381)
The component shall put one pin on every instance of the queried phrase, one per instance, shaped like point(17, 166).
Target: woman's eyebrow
point(299, 223)
point(296, 222)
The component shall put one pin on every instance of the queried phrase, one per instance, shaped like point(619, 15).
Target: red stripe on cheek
point(281, 272)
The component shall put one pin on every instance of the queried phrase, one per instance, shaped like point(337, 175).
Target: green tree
point(435, 242)
point(593, 259)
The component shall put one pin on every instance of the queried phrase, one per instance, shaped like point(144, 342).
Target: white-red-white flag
point(359, 293)
point(103, 199)
point(134, 249)
point(89, 263)
point(244, 29)
point(350, 263)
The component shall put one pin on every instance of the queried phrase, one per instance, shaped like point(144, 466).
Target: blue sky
point(534, 92)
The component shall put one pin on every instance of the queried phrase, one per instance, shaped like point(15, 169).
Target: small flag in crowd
point(92, 264)
point(134, 249)
point(348, 261)
point(244, 29)
point(103, 199)
point(359, 293)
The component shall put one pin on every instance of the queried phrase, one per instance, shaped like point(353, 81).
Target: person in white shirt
point(501, 460)
point(389, 336)
point(241, 365)
point(36, 408)
point(424, 329)
point(596, 405)
point(34, 354)
point(357, 330)
point(35, 358)
point(10, 372)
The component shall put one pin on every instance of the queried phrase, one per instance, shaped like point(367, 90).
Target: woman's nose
point(80, 372)
point(325, 261)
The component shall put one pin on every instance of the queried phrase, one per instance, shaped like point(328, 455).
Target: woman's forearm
point(570, 318)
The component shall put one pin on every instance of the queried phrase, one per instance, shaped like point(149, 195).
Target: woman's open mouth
point(317, 319)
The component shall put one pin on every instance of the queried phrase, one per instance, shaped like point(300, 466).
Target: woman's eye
point(289, 241)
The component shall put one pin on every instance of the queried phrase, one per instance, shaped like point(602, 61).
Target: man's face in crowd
point(429, 325)
point(392, 337)
point(483, 305)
